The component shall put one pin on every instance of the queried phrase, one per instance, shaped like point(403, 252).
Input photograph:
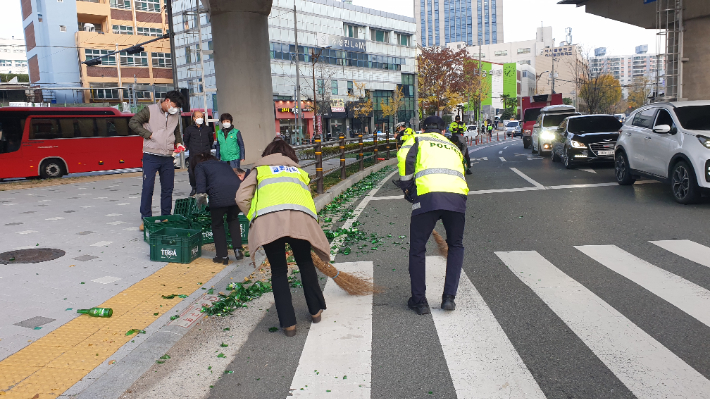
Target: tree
point(361, 103)
point(440, 76)
point(509, 105)
point(567, 101)
point(476, 88)
point(394, 103)
point(600, 93)
point(639, 92)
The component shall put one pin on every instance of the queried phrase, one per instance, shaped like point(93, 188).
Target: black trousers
point(276, 254)
point(463, 147)
point(420, 229)
point(191, 174)
point(220, 234)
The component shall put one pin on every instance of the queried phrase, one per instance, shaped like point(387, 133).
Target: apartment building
point(13, 58)
point(60, 35)
point(630, 69)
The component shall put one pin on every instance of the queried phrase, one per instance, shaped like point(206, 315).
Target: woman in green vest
point(231, 145)
point(277, 200)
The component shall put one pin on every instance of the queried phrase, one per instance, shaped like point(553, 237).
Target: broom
point(441, 243)
point(350, 283)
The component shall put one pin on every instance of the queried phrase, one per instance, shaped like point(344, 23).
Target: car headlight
point(705, 141)
point(577, 144)
point(547, 135)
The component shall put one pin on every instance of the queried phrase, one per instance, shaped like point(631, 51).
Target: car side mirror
point(536, 125)
point(663, 129)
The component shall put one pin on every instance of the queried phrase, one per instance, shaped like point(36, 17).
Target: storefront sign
point(293, 110)
point(337, 105)
point(341, 42)
point(319, 124)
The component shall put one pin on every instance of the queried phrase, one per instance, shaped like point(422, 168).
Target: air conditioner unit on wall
point(89, 27)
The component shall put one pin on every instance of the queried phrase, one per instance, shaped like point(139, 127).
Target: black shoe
point(224, 261)
point(468, 172)
point(447, 302)
point(238, 254)
point(421, 307)
point(193, 192)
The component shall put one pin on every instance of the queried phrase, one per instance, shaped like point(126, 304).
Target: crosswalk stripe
point(645, 366)
point(686, 296)
point(482, 361)
point(687, 249)
point(336, 361)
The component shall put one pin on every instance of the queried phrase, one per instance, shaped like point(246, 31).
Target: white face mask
point(172, 110)
point(226, 125)
point(199, 121)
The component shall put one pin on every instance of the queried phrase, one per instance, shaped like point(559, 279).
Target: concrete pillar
point(242, 64)
point(696, 47)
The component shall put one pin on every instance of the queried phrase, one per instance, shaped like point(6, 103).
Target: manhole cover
point(34, 255)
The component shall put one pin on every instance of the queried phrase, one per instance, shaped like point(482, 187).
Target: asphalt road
point(570, 290)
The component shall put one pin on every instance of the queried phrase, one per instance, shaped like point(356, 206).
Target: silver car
point(511, 127)
point(547, 122)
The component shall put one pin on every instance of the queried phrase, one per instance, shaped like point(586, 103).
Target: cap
point(433, 122)
point(400, 124)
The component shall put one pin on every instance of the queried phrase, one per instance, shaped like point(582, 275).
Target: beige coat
point(272, 226)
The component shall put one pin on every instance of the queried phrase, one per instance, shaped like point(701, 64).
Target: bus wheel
point(51, 168)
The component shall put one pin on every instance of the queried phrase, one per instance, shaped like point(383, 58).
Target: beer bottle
point(96, 312)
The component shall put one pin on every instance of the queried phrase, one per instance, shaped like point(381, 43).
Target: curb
point(324, 199)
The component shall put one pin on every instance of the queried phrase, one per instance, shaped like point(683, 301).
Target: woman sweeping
point(278, 203)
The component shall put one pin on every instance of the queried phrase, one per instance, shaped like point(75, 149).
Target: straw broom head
point(441, 243)
point(350, 283)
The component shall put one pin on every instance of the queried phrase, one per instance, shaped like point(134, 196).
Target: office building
point(440, 22)
point(13, 58)
point(355, 47)
point(62, 34)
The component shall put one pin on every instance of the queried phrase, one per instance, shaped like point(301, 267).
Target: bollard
point(387, 143)
point(375, 141)
point(319, 164)
point(497, 136)
point(342, 156)
point(362, 156)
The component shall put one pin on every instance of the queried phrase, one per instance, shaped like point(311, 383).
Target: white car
point(546, 124)
point(511, 127)
point(668, 142)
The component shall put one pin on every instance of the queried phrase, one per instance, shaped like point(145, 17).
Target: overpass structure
point(684, 29)
point(240, 37)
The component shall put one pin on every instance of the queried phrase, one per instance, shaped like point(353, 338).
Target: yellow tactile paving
point(51, 365)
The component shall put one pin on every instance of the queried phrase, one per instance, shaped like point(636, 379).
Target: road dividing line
point(645, 366)
point(502, 159)
point(686, 296)
point(500, 152)
point(482, 361)
point(336, 361)
point(528, 178)
point(589, 171)
point(687, 249)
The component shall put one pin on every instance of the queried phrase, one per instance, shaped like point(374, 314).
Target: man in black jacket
point(198, 140)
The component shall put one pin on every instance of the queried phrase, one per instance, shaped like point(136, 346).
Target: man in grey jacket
point(158, 124)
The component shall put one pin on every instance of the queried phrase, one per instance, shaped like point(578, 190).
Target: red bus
point(51, 142)
point(531, 107)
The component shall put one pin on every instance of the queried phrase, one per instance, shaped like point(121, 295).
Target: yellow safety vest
point(408, 132)
point(439, 166)
point(280, 188)
point(457, 128)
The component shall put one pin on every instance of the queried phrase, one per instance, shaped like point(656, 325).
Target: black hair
point(239, 170)
point(226, 117)
point(202, 157)
point(175, 97)
point(280, 147)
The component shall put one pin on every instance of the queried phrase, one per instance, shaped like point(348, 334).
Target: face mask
point(172, 110)
point(199, 121)
point(226, 125)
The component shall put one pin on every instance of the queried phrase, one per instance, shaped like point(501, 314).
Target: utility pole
point(480, 87)
point(553, 73)
point(169, 11)
point(120, 83)
point(299, 133)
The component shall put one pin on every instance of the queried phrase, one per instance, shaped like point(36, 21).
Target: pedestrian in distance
point(158, 124)
point(277, 201)
point(217, 180)
point(198, 139)
point(231, 144)
point(402, 133)
point(431, 175)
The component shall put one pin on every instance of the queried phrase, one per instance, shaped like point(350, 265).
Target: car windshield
point(532, 114)
point(512, 124)
point(694, 118)
point(594, 124)
point(554, 120)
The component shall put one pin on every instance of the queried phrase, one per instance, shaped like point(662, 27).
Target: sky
point(521, 18)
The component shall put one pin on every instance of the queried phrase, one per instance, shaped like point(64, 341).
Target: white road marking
point(588, 170)
point(505, 190)
point(564, 186)
point(502, 159)
point(482, 361)
point(55, 218)
point(106, 280)
point(686, 296)
point(26, 232)
point(687, 249)
point(506, 147)
point(527, 178)
point(339, 346)
point(500, 152)
point(645, 366)
point(101, 244)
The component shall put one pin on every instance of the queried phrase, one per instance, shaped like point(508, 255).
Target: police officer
point(402, 133)
point(431, 174)
point(457, 129)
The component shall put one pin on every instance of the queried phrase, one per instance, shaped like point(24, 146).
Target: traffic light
point(134, 49)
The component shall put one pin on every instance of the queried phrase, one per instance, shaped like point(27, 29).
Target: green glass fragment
point(273, 329)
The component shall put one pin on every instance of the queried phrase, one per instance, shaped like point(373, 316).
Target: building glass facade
point(467, 21)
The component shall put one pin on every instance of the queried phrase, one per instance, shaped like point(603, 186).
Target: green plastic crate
point(155, 223)
point(184, 206)
point(204, 224)
point(175, 245)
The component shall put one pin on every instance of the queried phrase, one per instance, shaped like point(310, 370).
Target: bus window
point(118, 127)
point(87, 127)
point(10, 134)
point(44, 129)
point(67, 126)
